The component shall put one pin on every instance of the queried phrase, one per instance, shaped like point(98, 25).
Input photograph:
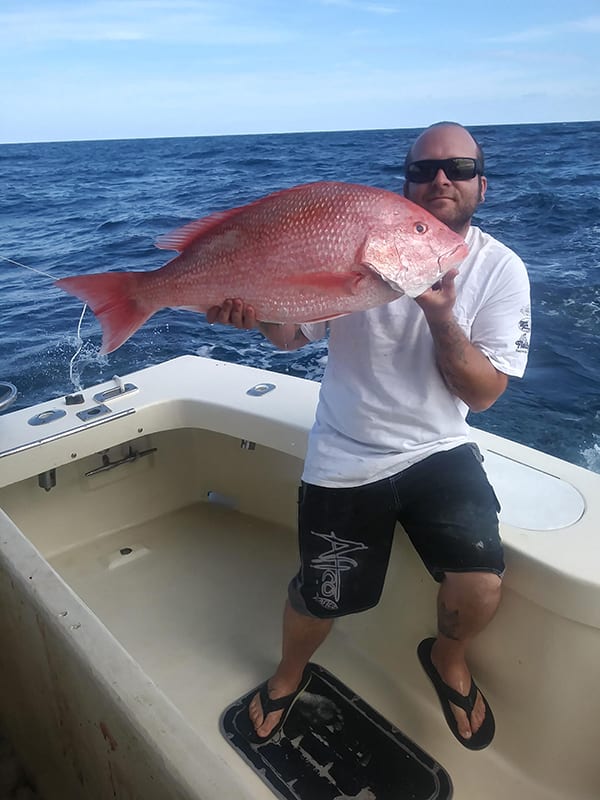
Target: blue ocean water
point(70, 208)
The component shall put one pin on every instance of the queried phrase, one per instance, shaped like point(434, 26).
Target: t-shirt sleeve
point(502, 326)
point(314, 330)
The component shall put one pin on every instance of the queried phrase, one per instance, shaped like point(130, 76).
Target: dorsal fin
point(183, 237)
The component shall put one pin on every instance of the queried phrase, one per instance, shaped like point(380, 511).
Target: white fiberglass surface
point(196, 597)
point(193, 595)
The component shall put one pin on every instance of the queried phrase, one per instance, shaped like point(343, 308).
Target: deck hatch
point(335, 745)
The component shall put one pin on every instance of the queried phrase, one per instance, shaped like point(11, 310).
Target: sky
point(116, 69)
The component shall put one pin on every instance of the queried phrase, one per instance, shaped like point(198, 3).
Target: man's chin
point(443, 209)
point(440, 202)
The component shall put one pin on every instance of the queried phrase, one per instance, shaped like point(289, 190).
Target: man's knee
point(480, 589)
point(483, 580)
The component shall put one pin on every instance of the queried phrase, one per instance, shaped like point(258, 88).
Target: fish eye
point(420, 227)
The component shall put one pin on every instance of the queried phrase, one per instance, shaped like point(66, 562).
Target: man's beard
point(456, 214)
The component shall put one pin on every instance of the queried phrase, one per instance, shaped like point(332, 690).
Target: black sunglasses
point(456, 169)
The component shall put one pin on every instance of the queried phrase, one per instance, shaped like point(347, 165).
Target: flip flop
point(447, 695)
point(269, 705)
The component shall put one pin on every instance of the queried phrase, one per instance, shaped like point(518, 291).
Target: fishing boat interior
point(147, 536)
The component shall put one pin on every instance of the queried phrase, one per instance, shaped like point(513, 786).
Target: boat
point(148, 532)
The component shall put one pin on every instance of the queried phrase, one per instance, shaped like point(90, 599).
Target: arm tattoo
point(452, 353)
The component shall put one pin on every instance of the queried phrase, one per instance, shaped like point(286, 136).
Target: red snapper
point(312, 252)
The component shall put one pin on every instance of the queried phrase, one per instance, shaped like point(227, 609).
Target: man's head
point(451, 198)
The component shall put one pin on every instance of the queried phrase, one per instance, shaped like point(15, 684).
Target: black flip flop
point(269, 705)
point(446, 694)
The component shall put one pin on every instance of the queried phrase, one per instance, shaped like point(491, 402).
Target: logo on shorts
point(332, 563)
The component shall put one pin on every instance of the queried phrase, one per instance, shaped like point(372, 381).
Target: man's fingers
point(232, 312)
point(449, 277)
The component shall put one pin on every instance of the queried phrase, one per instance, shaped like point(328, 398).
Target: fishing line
point(80, 344)
point(32, 269)
point(80, 341)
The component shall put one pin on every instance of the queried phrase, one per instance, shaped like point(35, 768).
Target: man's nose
point(441, 177)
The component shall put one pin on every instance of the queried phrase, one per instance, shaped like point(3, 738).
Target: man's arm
point(468, 373)
point(243, 317)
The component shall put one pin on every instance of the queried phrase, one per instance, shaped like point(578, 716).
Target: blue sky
point(97, 69)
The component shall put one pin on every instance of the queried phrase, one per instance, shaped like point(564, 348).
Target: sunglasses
point(456, 169)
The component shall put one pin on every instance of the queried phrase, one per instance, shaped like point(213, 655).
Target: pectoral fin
point(342, 282)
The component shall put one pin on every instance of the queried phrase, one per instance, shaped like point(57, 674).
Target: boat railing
point(8, 393)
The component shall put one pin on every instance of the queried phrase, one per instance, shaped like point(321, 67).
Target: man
point(390, 442)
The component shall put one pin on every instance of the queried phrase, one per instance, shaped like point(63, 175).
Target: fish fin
point(112, 298)
point(346, 282)
point(183, 237)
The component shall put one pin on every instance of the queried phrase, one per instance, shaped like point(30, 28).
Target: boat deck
point(169, 590)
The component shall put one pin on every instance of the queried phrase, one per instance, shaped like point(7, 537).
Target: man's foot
point(466, 710)
point(458, 677)
point(271, 706)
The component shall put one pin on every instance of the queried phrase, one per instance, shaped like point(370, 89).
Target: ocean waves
point(79, 207)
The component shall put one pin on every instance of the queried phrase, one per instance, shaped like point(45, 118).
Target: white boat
point(147, 535)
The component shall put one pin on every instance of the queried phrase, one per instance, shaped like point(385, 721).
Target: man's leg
point(467, 601)
point(345, 538)
point(302, 635)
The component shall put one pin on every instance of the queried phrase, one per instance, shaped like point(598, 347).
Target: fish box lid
point(530, 498)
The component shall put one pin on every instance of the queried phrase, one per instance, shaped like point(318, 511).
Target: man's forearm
point(466, 370)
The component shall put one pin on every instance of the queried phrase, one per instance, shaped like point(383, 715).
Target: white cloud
point(543, 32)
point(133, 20)
point(588, 25)
point(369, 8)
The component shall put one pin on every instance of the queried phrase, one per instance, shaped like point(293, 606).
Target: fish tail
point(113, 297)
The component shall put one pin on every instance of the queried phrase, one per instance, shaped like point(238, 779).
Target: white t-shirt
point(383, 403)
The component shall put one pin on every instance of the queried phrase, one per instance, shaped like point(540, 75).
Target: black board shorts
point(445, 504)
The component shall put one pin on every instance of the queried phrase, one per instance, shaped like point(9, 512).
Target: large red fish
point(309, 253)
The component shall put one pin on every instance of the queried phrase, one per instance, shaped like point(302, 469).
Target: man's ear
point(482, 188)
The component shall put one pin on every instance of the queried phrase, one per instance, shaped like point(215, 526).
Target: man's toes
point(255, 711)
point(467, 728)
point(462, 722)
point(478, 715)
point(268, 723)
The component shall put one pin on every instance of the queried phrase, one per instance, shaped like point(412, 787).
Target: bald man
point(391, 444)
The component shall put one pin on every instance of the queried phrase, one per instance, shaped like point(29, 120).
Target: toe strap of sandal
point(270, 704)
point(467, 703)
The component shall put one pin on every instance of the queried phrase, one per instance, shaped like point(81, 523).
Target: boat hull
point(142, 584)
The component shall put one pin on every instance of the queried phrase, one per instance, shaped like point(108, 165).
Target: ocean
point(70, 208)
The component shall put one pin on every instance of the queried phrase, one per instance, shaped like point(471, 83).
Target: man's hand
point(243, 317)
point(468, 373)
point(233, 312)
point(438, 302)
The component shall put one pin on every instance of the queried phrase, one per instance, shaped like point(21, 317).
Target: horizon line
point(285, 133)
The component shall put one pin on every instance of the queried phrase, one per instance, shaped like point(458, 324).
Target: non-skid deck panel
point(334, 745)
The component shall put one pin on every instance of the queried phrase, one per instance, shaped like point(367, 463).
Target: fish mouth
point(452, 257)
point(445, 261)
